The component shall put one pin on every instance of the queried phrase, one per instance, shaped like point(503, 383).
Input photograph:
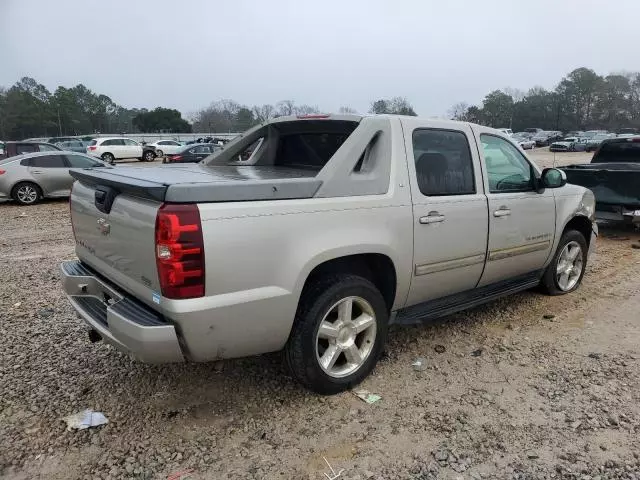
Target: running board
point(441, 307)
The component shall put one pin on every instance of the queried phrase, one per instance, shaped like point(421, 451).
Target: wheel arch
point(375, 266)
point(582, 224)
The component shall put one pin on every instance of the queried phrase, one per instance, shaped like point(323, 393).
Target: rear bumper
point(121, 321)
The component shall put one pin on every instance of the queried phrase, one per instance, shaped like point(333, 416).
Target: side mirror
point(553, 178)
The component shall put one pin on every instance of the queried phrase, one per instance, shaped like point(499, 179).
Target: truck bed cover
point(201, 183)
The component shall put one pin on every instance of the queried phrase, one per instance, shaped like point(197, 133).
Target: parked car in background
point(111, 149)
point(525, 142)
point(614, 177)
point(542, 139)
point(594, 142)
point(72, 146)
point(33, 176)
point(1, 149)
point(628, 131)
point(11, 149)
point(533, 131)
point(568, 144)
point(507, 131)
point(312, 245)
point(166, 147)
point(192, 153)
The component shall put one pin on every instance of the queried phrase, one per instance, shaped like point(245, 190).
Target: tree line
point(230, 116)
point(29, 109)
point(582, 100)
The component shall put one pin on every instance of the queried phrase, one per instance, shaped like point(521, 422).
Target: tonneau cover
point(201, 183)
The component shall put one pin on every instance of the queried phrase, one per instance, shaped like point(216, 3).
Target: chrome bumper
point(121, 321)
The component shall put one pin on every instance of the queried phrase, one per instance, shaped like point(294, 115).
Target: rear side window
point(443, 162)
point(48, 161)
point(618, 152)
point(128, 142)
point(25, 148)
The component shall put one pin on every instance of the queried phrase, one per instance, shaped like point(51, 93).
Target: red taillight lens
point(180, 251)
point(2, 172)
point(93, 147)
point(175, 158)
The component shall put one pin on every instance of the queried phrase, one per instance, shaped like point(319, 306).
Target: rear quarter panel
point(259, 254)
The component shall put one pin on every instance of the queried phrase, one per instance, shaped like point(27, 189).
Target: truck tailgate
point(120, 244)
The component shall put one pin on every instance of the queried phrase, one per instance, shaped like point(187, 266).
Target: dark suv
point(11, 149)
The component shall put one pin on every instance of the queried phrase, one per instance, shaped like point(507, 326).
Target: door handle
point(433, 217)
point(502, 212)
point(37, 171)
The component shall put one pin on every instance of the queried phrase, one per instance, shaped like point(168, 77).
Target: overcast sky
point(186, 54)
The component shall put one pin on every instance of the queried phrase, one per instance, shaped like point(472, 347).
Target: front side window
point(508, 170)
point(48, 148)
point(80, 161)
point(443, 162)
point(48, 161)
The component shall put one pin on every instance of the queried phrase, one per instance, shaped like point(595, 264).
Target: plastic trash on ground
point(85, 419)
point(367, 396)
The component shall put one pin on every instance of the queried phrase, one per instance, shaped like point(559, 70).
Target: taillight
point(180, 251)
point(2, 172)
point(175, 158)
point(93, 147)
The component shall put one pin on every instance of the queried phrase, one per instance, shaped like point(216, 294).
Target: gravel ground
point(526, 387)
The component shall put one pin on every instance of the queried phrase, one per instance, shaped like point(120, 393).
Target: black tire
point(26, 193)
point(109, 158)
point(549, 282)
point(316, 302)
point(159, 153)
point(148, 156)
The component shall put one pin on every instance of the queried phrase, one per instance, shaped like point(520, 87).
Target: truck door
point(521, 220)
point(449, 209)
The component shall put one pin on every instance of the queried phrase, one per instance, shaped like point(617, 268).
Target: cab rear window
point(628, 151)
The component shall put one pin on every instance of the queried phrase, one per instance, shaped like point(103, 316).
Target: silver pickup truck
point(313, 234)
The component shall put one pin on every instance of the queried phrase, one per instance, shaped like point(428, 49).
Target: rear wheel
point(26, 193)
point(564, 273)
point(159, 153)
point(148, 156)
point(338, 333)
point(109, 158)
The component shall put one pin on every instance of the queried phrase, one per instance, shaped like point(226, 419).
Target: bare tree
point(515, 93)
point(286, 108)
point(305, 110)
point(459, 111)
point(264, 113)
point(346, 110)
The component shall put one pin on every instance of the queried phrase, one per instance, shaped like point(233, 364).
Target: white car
point(507, 131)
point(166, 147)
point(525, 143)
point(109, 149)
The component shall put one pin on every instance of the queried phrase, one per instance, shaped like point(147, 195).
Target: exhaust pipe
point(94, 336)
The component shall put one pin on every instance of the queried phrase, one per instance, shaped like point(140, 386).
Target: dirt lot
point(526, 387)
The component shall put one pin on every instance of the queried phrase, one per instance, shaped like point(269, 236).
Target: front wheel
point(338, 333)
point(159, 153)
point(148, 156)
point(564, 273)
